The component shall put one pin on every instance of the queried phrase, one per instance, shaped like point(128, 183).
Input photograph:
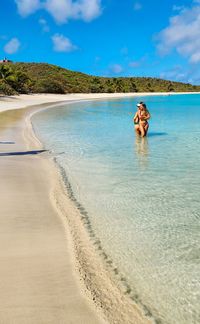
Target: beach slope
point(38, 284)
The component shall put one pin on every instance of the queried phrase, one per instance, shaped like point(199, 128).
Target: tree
point(16, 79)
point(6, 89)
point(133, 87)
point(19, 81)
point(170, 87)
point(5, 72)
point(50, 86)
point(95, 86)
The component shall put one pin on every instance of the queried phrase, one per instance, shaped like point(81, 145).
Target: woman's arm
point(136, 116)
point(146, 117)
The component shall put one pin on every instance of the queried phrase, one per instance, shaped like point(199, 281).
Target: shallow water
point(142, 195)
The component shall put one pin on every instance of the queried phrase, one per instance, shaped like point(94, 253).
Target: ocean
point(141, 194)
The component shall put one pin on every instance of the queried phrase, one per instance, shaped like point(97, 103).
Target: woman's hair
point(144, 106)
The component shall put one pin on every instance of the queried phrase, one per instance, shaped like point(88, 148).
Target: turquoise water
point(141, 195)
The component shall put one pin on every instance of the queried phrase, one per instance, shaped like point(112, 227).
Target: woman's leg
point(146, 127)
point(142, 130)
point(137, 129)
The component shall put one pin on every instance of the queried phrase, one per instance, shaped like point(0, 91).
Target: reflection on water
point(142, 151)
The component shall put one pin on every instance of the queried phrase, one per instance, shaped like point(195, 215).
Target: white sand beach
point(38, 283)
point(45, 252)
point(22, 101)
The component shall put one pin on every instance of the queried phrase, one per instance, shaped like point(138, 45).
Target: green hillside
point(46, 78)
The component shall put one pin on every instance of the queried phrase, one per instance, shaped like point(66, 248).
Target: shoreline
point(38, 281)
point(108, 291)
point(108, 299)
point(25, 101)
point(98, 277)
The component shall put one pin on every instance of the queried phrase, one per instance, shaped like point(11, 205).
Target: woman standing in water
point(141, 119)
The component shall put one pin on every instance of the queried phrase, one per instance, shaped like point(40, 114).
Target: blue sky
point(106, 37)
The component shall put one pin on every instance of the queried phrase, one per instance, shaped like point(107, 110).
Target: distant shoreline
point(24, 101)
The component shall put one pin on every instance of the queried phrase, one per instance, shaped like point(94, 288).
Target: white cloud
point(183, 34)
point(12, 46)
point(62, 44)
point(62, 10)
point(89, 9)
point(173, 74)
point(27, 7)
point(178, 8)
point(137, 6)
point(195, 58)
point(116, 68)
point(180, 73)
point(44, 25)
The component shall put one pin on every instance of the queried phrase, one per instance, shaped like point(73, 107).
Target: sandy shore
point(50, 272)
point(38, 281)
point(22, 101)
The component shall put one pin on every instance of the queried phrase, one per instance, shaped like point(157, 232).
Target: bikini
point(143, 121)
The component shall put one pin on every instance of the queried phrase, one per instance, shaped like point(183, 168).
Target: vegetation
point(45, 78)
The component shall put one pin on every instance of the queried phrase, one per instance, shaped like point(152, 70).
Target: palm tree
point(16, 79)
point(5, 71)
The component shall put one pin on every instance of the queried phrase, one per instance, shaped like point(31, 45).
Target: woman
point(141, 119)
